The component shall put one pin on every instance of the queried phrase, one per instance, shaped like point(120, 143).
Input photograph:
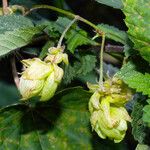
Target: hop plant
point(108, 115)
point(41, 78)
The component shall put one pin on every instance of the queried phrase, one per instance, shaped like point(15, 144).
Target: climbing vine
point(73, 87)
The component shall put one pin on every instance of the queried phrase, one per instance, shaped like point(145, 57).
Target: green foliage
point(8, 94)
point(142, 147)
point(135, 79)
point(12, 22)
point(16, 32)
point(45, 48)
point(78, 38)
point(113, 3)
point(28, 3)
point(62, 123)
point(137, 19)
point(13, 40)
point(114, 33)
point(75, 36)
point(117, 35)
point(146, 115)
point(138, 128)
point(81, 67)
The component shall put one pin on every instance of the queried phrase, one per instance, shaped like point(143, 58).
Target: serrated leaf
point(114, 33)
point(138, 128)
point(112, 3)
point(85, 64)
point(146, 115)
point(60, 124)
point(142, 147)
point(137, 19)
point(12, 40)
point(75, 36)
point(78, 38)
point(81, 67)
point(69, 74)
point(12, 22)
point(117, 35)
point(135, 79)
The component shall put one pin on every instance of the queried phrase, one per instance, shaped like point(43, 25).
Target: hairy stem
point(101, 60)
point(5, 7)
point(67, 13)
point(65, 31)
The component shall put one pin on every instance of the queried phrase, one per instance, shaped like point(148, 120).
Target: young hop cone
point(41, 78)
point(108, 115)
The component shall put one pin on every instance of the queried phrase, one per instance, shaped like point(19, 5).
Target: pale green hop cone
point(108, 116)
point(39, 79)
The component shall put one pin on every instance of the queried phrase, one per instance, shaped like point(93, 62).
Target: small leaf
point(81, 67)
point(78, 38)
point(112, 3)
point(85, 65)
point(60, 124)
point(69, 74)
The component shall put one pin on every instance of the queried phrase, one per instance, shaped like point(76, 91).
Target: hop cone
point(108, 115)
point(41, 78)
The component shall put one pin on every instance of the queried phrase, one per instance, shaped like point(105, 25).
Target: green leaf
point(142, 147)
point(85, 65)
point(81, 67)
point(75, 36)
point(137, 19)
point(112, 3)
point(12, 22)
point(135, 79)
point(60, 124)
point(8, 94)
point(146, 115)
point(13, 40)
point(114, 33)
point(78, 38)
point(45, 48)
point(117, 35)
point(69, 74)
point(138, 128)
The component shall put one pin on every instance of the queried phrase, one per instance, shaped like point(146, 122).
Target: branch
point(5, 7)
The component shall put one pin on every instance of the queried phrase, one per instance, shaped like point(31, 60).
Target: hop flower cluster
point(41, 78)
point(108, 115)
